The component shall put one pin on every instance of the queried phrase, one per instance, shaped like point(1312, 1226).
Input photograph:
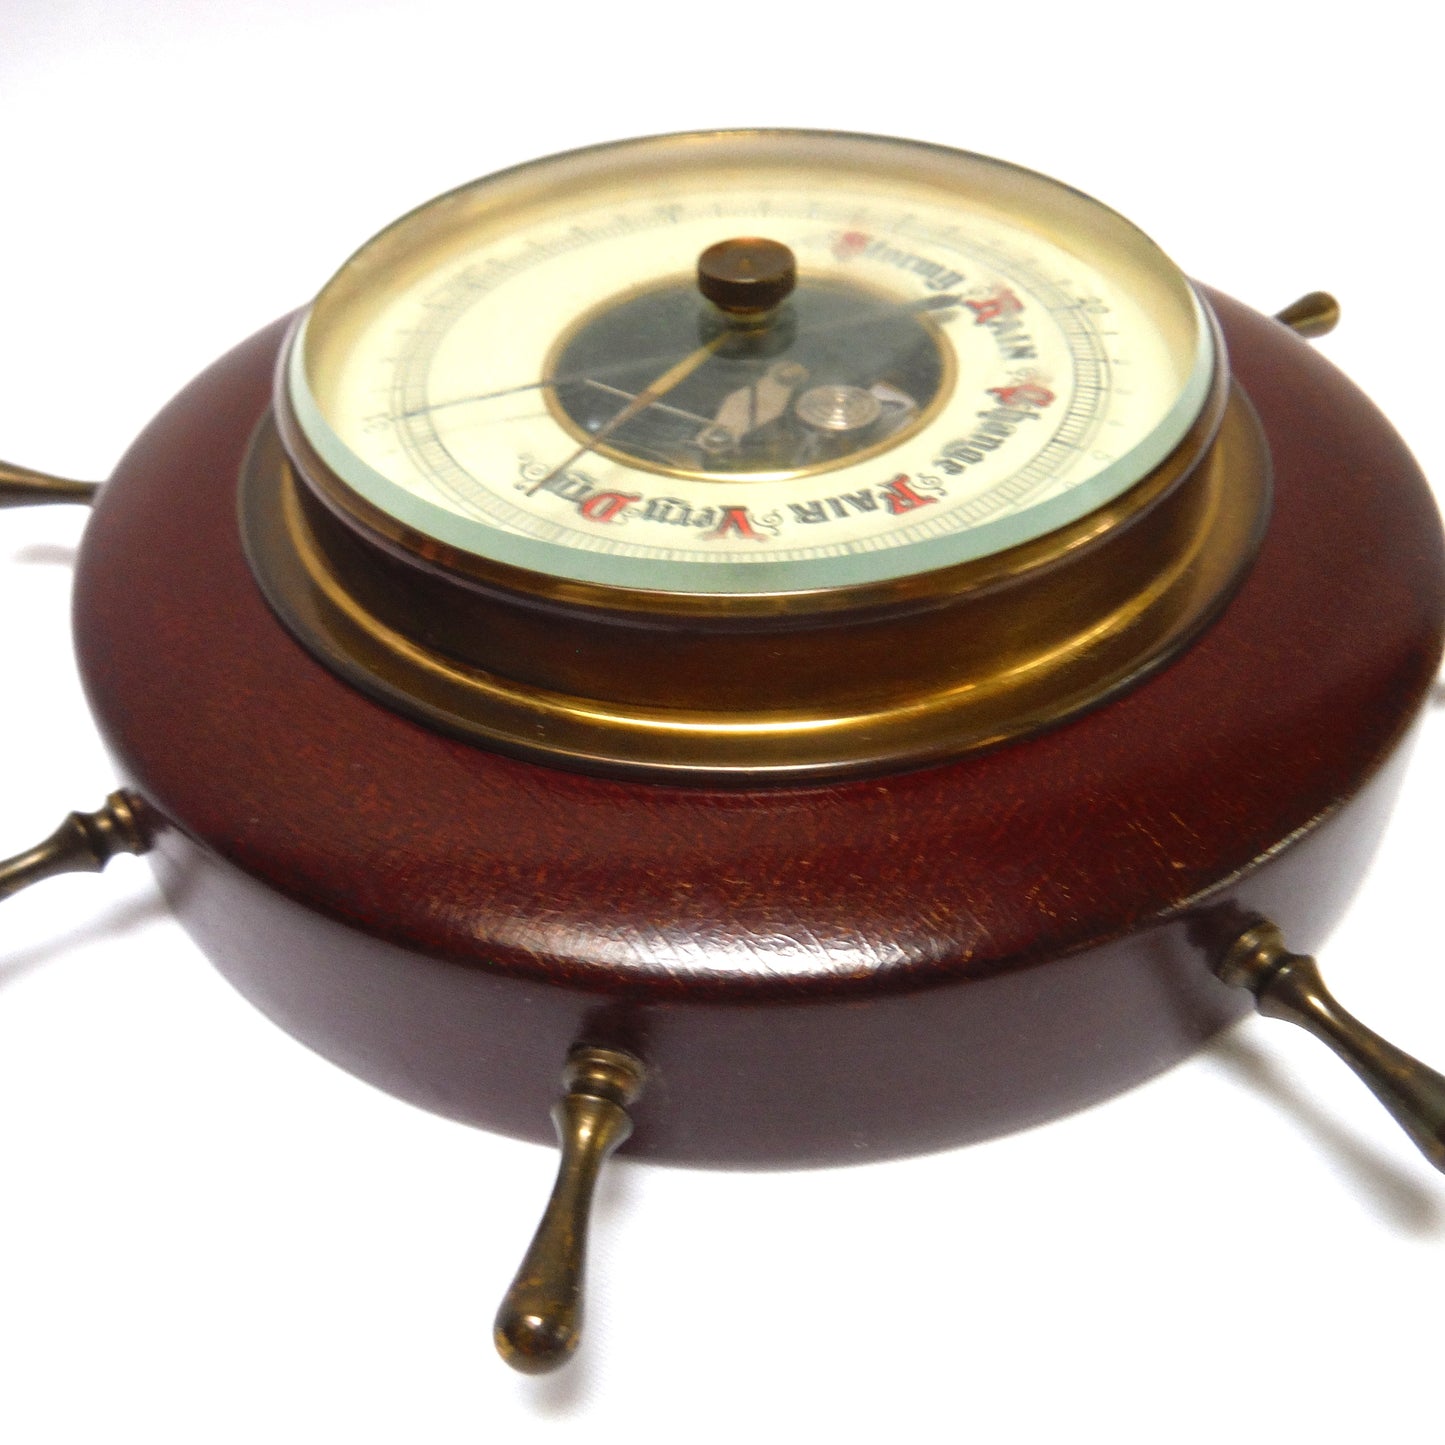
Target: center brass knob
point(748, 275)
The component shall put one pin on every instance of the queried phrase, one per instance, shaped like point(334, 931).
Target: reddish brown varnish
point(831, 972)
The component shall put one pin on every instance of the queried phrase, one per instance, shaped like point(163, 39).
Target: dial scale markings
point(460, 429)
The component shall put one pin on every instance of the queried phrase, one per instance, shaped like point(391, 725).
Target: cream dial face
point(972, 358)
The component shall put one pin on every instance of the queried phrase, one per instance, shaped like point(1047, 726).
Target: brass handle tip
point(1314, 314)
point(533, 1344)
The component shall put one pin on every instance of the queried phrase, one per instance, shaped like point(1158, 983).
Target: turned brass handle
point(1315, 314)
point(83, 843)
point(540, 1321)
point(1288, 986)
point(22, 487)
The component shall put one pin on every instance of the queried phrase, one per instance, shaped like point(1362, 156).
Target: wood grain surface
point(817, 973)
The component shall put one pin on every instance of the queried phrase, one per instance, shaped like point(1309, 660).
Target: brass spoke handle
point(23, 487)
point(540, 1321)
point(1288, 986)
point(1317, 313)
point(83, 843)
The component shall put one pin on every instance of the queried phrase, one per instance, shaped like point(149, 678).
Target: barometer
point(560, 471)
point(832, 644)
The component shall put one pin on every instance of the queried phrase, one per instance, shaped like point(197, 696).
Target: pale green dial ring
point(1071, 360)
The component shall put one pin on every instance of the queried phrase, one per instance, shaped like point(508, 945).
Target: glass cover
point(973, 356)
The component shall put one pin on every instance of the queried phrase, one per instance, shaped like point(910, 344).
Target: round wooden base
point(814, 973)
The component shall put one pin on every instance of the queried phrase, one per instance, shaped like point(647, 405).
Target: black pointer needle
point(927, 303)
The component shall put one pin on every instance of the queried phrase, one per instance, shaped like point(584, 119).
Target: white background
point(207, 1235)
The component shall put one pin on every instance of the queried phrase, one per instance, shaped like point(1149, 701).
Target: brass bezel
point(409, 546)
point(699, 690)
point(677, 682)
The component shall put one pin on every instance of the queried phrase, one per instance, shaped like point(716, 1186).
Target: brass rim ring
point(1106, 656)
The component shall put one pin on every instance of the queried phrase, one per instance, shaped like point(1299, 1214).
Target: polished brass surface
point(22, 487)
point(750, 689)
point(540, 1321)
point(747, 275)
point(1288, 986)
point(729, 682)
point(83, 843)
point(1314, 314)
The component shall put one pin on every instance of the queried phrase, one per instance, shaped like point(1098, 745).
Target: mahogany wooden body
point(820, 973)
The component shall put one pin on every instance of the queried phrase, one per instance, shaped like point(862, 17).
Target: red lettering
point(736, 519)
point(899, 496)
point(993, 308)
point(604, 506)
point(1026, 393)
point(849, 244)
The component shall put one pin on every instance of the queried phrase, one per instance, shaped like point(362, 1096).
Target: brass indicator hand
point(644, 399)
point(1288, 986)
point(747, 278)
point(621, 395)
point(594, 376)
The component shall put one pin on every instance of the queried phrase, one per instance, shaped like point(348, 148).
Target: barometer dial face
point(526, 371)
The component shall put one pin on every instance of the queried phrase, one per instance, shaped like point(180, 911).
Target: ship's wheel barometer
point(832, 642)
